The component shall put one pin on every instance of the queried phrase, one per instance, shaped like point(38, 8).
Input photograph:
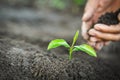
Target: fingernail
point(98, 28)
point(92, 33)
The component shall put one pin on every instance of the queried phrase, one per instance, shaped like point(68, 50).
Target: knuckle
point(91, 30)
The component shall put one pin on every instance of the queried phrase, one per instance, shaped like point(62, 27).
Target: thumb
point(88, 15)
point(90, 9)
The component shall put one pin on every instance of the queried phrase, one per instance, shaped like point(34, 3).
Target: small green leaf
point(86, 48)
point(56, 43)
point(75, 37)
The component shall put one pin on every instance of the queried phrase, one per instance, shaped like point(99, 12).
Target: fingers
point(101, 44)
point(96, 45)
point(92, 43)
point(90, 8)
point(104, 36)
point(85, 27)
point(108, 29)
point(95, 39)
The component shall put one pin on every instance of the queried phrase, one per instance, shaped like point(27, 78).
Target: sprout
point(84, 47)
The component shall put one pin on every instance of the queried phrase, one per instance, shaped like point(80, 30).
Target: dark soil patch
point(110, 18)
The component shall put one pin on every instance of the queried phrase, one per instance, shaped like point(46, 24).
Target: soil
point(23, 54)
point(109, 18)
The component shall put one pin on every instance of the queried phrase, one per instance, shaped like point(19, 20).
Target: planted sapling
point(71, 48)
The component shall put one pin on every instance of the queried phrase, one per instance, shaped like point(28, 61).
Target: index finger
point(108, 29)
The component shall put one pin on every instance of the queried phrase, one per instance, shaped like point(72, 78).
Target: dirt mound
point(23, 61)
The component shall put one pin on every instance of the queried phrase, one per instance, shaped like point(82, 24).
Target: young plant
point(61, 42)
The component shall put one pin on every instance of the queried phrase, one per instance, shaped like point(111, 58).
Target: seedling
point(61, 42)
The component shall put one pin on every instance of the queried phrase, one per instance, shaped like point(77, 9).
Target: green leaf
point(86, 48)
point(75, 37)
point(56, 43)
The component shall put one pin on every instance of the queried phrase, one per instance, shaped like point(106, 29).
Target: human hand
point(105, 32)
point(102, 34)
point(97, 42)
point(93, 10)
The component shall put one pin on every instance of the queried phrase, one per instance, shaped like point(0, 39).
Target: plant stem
point(71, 50)
point(70, 53)
point(73, 43)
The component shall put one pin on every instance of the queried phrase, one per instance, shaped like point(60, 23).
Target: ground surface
point(24, 36)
